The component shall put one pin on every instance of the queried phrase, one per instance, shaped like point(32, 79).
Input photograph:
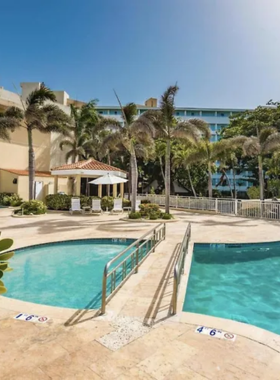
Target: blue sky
point(222, 53)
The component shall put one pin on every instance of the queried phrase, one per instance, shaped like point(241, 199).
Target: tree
point(169, 128)
point(207, 153)
point(38, 115)
point(180, 159)
point(266, 141)
point(135, 137)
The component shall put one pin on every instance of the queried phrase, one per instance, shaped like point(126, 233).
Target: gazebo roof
point(87, 167)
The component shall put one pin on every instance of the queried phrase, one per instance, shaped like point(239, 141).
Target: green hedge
point(10, 199)
point(32, 208)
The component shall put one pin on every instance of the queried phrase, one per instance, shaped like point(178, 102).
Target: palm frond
point(4, 134)
point(198, 154)
point(64, 143)
point(9, 123)
point(265, 133)
point(40, 96)
point(144, 125)
point(108, 122)
point(251, 146)
point(72, 153)
point(271, 143)
point(186, 131)
point(130, 112)
point(14, 112)
point(202, 127)
point(167, 103)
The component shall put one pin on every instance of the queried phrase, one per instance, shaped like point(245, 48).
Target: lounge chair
point(117, 205)
point(76, 206)
point(96, 206)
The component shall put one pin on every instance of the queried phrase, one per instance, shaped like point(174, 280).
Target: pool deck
point(144, 341)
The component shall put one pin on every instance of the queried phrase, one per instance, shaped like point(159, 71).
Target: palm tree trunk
point(261, 179)
point(210, 193)
point(229, 185)
point(161, 168)
point(191, 182)
point(31, 164)
point(134, 180)
point(167, 176)
point(234, 182)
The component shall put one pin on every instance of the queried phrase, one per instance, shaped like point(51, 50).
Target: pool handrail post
point(135, 244)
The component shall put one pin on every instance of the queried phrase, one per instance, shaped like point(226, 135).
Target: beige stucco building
point(14, 156)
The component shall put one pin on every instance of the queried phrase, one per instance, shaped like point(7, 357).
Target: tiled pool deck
point(68, 347)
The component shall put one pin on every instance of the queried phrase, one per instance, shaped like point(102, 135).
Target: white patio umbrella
point(108, 179)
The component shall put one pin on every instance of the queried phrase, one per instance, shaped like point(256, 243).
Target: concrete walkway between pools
point(135, 339)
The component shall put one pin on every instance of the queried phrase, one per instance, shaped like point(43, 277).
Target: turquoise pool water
point(66, 274)
point(236, 281)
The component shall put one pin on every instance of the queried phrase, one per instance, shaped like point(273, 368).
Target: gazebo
point(80, 172)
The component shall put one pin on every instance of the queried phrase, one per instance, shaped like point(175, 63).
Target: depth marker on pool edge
point(31, 318)
point(215, 333)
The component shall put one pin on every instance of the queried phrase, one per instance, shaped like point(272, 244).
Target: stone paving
point(73, 345)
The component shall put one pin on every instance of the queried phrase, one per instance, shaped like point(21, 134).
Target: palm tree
point(169, 128)
point(180, 159)
point(266, 141)
point(36, 115)
point(207, 153)
point(85, 120)
point(135, 137)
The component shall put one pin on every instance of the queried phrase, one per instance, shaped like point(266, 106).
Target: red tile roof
point(26, 173)
point(89, 165)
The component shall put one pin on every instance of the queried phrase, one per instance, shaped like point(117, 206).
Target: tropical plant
point(135, 215)
point(5, 244)
point(32, 208)
point(85, 120)
point(266, 141)
point(207, 153)
point(135, 137)
point(180, 159)
point(253, 192)
point(169, 128)
point(36, 114)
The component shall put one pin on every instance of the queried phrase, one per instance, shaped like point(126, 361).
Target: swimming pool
point(236, 281)
point(66, 274)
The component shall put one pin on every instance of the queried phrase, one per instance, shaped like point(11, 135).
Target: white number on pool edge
point(215, 333)
point(31, 318)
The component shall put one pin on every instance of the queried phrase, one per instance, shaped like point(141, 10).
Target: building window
point(223, 114)
point(193, 113)
point(100, 112)
point(208, 113)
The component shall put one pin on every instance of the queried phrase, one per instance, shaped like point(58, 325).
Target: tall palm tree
point(180, 159)
point(38, 115)
point(85, 120)
point(266, 141)
point(207, 153)
point(135, 136)
point(169, 128)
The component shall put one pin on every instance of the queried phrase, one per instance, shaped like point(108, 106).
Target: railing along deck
point(128, 262)
point(179, 267)
point(257, 209)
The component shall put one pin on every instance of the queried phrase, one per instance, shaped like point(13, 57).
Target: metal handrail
point(148, 241)
point(179, 267)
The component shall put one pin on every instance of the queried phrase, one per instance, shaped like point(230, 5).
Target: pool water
point(236, 281)
point(66, 274)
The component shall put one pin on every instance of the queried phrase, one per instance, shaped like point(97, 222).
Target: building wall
point(6, 182)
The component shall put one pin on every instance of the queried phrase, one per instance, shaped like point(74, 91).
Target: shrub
point(145, 201)
point(126, 202)
point(135, 215)
point(8, 199)
point(166, 216)
point(3, 195)
point(33, 208)
point(5, 244)
point(154, 215)
point(253, 192)
point(58, 201)
point(147, 208)
point(107, 202)
point(152, 190)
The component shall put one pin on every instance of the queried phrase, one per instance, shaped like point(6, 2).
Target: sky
point(221, 53)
